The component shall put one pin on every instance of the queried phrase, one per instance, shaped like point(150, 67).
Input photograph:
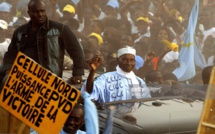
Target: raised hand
point(149, 56)
point(95, 62)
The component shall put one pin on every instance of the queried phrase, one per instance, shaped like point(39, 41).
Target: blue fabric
point(186, 55)
point(109, 123)
point(113, 3)
point(91, 115)
point(75, 2)
point(5, 7)
point(139, 62)
point(111, 87)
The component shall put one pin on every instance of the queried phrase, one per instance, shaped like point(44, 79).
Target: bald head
point(32, 3)
point(75, 120)
point(37, 12)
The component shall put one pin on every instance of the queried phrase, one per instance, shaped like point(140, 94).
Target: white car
point(176, 114)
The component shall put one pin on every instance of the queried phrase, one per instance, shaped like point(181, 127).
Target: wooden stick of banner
point(5, 116)
point(22, 128)
point(206, 123)
point(17, 126)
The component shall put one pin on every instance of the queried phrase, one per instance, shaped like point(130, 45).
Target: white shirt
point(211, 60)
point(3, 48)
point(171, 56)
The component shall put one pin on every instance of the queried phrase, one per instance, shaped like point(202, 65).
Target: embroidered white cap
point(3, 24)
point(126, 50)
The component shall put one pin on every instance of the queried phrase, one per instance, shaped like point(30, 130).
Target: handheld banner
point(37, 97)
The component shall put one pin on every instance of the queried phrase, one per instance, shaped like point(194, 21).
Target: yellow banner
point(37, 97)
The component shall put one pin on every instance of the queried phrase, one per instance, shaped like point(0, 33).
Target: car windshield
point(171, 109)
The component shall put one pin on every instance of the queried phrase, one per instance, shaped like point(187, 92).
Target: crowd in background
point(155, 28)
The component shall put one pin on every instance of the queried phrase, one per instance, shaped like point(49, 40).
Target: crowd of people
point(154, 28)
point(131, 43)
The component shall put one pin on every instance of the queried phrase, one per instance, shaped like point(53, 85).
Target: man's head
point(112, 8)
point(126, 58)
point(154, 77)
point(62, 3)
point(206, 73)
point(68, 11)
point(37, 11)
point(75, 120)
point(5, 11)
point(126, 40)
point(142, 23)
point(97, 26)
point(175, 15)
point(162, 35)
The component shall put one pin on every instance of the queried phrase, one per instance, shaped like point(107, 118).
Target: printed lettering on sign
point(37, 97)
